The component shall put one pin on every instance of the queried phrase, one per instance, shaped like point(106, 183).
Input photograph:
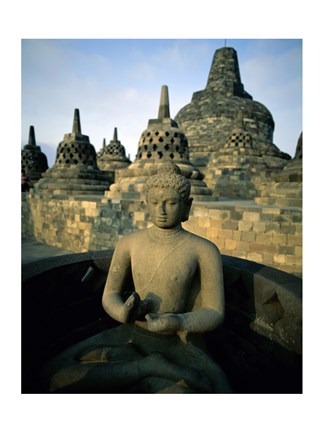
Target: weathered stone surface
point(161, 141)
point(112, 157)
point(75, 170)
point(257, 348)
point(33, 160)
point(176, 299)
point(286, 189)
point(210, 118)
point(230, 135)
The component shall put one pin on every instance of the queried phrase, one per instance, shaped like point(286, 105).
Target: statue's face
point(166, 208)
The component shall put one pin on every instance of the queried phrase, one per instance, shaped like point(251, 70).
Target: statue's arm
point(211, 313)
point(113, 300)
point(119, 271)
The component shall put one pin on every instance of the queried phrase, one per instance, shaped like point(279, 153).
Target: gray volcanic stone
point(162, 141)
point(112, 157)
point(33, 160)
point(209, 119)
point(75, 170)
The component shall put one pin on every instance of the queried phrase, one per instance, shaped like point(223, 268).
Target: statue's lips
point(162, 219)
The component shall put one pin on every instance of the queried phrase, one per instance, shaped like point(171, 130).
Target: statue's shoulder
point(133, 237)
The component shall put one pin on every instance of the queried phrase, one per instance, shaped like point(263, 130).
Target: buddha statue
point(178, 295)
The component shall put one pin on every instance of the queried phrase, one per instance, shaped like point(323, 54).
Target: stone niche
point(258, 346)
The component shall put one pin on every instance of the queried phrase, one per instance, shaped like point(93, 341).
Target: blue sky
point(117, 83)
point(111, 90)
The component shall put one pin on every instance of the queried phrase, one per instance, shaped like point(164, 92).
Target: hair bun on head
point(169, 176)
point(169, 168)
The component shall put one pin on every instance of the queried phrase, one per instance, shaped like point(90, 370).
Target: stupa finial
point(115, 138)
point(104, 143)
point(76, 122)
point(164, 108)
point(31, 139)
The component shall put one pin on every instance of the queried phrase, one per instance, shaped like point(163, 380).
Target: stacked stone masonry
point(268, 235)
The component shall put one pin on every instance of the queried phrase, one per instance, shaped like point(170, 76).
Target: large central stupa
point(209, 119)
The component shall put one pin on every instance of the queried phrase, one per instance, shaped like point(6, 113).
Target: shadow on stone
point(258, 346)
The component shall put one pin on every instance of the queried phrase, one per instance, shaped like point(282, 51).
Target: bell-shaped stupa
point(75, 171)
point(235, 170)
point(287, 188)
point(33, 160)
point(209, 119)
point(160, 142)
point(112, 157)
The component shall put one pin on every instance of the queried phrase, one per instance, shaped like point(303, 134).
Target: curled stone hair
point(169, 176)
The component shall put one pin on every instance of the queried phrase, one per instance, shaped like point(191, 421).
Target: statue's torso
point(164, 270)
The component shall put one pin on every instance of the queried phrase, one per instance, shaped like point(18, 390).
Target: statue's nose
point(162, 208)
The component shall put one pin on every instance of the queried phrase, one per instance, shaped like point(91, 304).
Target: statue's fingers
point(132, 300)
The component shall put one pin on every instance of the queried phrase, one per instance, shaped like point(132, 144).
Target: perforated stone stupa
point(209, 119)
point(112, 156)
point(287, 188)
point(160, 142)
point(236, 170)
point(33, 160)
point(75, 171)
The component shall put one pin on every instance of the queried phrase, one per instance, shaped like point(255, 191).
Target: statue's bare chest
point(164, 273)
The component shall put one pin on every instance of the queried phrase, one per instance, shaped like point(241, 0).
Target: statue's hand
point(136, 309)
point(168, 323)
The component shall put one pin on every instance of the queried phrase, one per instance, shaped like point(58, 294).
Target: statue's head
point(168, 196)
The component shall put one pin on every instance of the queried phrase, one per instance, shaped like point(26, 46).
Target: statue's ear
point(186, 209)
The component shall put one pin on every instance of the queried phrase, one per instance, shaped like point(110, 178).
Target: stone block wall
point(77, 224)
point(265, 234)
point(268, 235)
